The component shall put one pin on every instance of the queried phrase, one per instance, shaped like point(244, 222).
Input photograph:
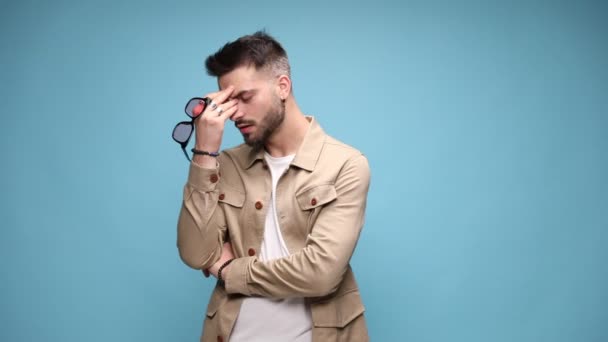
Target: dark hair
point(259, 49)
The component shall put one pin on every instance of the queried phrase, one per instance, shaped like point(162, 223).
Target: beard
point(273, 119)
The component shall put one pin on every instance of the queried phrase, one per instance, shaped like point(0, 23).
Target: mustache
point(240, 123)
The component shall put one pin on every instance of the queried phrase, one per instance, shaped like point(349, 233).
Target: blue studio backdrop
point(485, 124)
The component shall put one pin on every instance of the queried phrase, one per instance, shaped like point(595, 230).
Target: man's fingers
point(215, 94)
point(212, 95)
point(228, 113)
point(217, 100)
point(221, 110)
point(222, 95)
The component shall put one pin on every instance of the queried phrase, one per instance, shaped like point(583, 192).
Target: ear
point(284, 86)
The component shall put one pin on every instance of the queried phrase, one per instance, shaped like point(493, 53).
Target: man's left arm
point(317, 269)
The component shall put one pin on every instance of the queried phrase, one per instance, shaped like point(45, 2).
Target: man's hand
point(209, 127)
point(226, 255)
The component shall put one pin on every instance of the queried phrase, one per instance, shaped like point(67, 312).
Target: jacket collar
point(307, 155)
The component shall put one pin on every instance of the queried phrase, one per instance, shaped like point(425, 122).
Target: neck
point(289, 135)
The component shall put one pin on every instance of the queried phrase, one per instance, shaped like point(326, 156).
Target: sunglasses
point(183, 130)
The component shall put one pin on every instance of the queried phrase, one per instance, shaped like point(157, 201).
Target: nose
point(239, 114)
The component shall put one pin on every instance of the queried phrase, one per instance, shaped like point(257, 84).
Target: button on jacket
point(320, 203)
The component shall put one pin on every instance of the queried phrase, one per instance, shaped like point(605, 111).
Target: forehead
point(242, 78)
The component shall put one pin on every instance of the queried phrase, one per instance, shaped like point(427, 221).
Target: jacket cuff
point(236, 279)
point(203, 179)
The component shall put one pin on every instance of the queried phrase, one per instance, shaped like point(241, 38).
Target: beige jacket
point(320, 206)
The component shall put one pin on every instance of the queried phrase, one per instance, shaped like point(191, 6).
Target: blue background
point(486, 126)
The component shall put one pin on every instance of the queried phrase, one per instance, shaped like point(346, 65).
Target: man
point(276, 219)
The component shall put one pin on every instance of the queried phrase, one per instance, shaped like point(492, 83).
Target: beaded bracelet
point(219, 273)
point(205, 153)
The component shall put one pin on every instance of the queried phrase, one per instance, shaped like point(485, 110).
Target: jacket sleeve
point(317, 269)
point(201, 228)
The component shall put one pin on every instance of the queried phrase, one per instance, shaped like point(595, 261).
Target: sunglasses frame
point(184, 144)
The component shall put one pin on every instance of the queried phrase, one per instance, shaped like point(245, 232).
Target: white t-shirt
point(268, 319)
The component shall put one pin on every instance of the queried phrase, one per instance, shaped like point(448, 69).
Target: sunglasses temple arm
point(186, 154)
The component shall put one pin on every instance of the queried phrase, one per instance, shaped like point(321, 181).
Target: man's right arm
point(201, 229)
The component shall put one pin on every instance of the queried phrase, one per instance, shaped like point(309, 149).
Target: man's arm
point(318, 269)
point(201, 229)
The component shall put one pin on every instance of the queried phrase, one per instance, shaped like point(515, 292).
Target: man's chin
point(256, 144)
point(248, 140)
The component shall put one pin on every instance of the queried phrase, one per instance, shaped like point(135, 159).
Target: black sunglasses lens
point(195, 107)
point(182, 132)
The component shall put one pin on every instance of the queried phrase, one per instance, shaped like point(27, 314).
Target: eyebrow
point(243, 92)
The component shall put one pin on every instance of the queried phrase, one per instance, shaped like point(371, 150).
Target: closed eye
point(245, 95)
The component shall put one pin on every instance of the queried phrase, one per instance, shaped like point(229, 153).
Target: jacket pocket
point(316, 196)
point(311, 201)
point(231, 197)
point(217, 298)
point(339, 311)
point(211, 325)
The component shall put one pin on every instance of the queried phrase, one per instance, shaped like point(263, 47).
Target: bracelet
point(205, 153)
point(219, 273)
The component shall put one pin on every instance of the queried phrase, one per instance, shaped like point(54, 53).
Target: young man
point(276, 219)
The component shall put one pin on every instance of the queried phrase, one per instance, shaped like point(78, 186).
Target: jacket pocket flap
point(316, 196)
point(217, 297)
point(231, 197)
point(338, 312)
